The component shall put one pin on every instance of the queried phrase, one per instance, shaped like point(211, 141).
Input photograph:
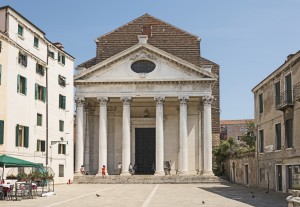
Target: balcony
point(297, 92)
point(285, 100)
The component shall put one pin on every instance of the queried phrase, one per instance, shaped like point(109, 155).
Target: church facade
point(146, 98)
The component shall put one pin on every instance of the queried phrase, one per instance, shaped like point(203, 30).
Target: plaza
point(213, 195)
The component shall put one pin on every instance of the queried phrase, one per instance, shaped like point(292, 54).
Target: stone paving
point(204, 195)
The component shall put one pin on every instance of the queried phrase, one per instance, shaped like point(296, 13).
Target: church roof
point(162, 35)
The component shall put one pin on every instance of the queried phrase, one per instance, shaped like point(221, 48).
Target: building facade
point(36, 96)
point(146, 98)
point(233, 128)
point(277, 117)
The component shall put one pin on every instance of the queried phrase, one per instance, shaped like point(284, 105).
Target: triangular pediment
point(167, 67)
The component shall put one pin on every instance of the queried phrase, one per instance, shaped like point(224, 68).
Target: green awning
point(8, 161)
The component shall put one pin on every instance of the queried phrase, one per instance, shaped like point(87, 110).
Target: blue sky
point(249, 39)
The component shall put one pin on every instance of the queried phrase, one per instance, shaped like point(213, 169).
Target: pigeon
point(267, 191)
point(251, 192)
point(252, 196)
point(97, 195)
point(203, 202)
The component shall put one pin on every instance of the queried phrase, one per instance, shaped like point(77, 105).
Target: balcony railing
point(297, 92)
point(285, 100)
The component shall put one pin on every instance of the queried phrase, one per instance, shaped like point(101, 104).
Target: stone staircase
point(147, 179)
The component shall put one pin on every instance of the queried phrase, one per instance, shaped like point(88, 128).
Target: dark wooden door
point(144, 150)
point(279, 177)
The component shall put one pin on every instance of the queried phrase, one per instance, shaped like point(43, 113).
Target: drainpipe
point(47, 89)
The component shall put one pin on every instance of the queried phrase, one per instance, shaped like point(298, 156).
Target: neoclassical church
point(146, 98)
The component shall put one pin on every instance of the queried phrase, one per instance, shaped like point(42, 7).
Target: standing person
point(82, 170)
point(120, 168)
point(103, 171)
point(130, 169)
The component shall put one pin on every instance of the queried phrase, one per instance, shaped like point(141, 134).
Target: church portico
point(146, 105)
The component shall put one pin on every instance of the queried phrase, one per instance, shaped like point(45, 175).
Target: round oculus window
point(143, 66)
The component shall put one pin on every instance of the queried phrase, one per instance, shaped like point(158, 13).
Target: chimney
point(59, 45)
point(289, 57)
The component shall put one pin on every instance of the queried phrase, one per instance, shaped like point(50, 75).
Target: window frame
point(278, 136)
point(22, 136)
point(39, 119)
point(261, 103)
point(289, 136)
point(61, 170)
point(36, 42)
point(61, 80)
point(61, 125)
point(40, 93)
point(62, 102)
point(277, 88)
point(20, 30)
point(40, 69)
point(41, 145)
point(22, 59)
point(261, 146)
point(62, 149)
point(22, 85)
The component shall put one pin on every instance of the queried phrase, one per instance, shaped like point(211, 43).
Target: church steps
point(147, 179)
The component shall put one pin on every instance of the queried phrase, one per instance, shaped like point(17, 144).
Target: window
point(261, 141)
point(40, 146)
point(61, 171)
point(294, 177)
point(289, 133)
point(61, 58)
point(0, 73)
point(36, 42)
point(22, 136)
point(20, 30)
point(62, 149)
point(39, 119)
point(277, 93)
point(61, 80)
point(143, 66)
point(62, 102)
point(40, 92)
point(1, 131)
point(22, 85)
point(261, 103)
point(0, 46)
point(288, 88)
point(40, 69)
point(22, 59)
point(61, 125)
point(278, 136)
point(51, 54)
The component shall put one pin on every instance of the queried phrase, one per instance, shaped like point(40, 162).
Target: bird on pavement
point(267, 191)
point(252, 196)
point(97, 195)
point(203, 202)
point(251, 192)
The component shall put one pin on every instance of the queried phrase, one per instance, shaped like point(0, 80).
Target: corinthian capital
point(102, 101)
point(79, 101)
point(183, 100)
point(159, 100)
point(207, 100)
point(126, 100)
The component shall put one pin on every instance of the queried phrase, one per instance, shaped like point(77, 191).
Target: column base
point(183, 173)
point(78, 173)
point(159, 173)
point(125, 174)
point(208, 173)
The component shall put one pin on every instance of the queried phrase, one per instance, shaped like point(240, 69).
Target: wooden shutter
point(36, 91)
point(63, 59)
point(20, 58)
point(25, 86)
point(17, 135)
point(44, 94)
point(26, 136)
point(18, 83)
point(64, 102)
point(25, 60)
point(0, 72)
point(59, 103)
point(43, 146)
point(64, 149)
point(58, 57)
point(1, 131)
point(59, 151)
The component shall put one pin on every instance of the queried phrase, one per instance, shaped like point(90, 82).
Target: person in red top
point(103, 171)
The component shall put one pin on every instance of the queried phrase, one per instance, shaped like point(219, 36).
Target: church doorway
point(145, 150)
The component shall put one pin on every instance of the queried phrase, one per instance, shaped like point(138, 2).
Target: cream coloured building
point(36, 96)
point(147, 97)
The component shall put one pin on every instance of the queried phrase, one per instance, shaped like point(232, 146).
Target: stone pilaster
point(126, 136)
point(79, 152)
point(102, 133)
point(207, 136)
point(159, 170)
point(183, 142)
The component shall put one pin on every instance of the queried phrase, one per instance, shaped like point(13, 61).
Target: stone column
point(79, 136)
point(183, 142)
point(126, 136)
point(207, 136)
point(159, 170)
point(102, 133)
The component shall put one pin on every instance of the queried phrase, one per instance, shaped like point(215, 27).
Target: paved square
point(213, 195)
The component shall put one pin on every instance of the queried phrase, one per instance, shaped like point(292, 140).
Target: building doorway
point(279, 177)
point(246, 174)
point(144, 150)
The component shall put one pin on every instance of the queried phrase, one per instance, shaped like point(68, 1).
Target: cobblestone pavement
point(204, 195)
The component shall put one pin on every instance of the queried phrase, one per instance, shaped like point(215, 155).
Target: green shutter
point(43, 143)
point(25, 86)
point(59, 152)
point(44, 94)
point(26, 136)
point(36, 91)
point(59, 103)
point(64, 149)
point(25, 62)
point(1, 131)
point(58, 57)
point(64, 102)
point(18, 84)
point(17, 135)
point(63, 59)
point(0, 72)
